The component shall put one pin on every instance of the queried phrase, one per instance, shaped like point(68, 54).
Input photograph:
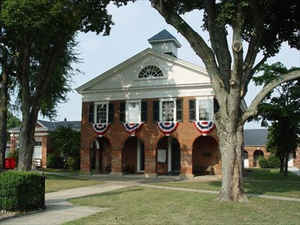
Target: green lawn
point(146, 206)
point(257, 181)
point(57, 183)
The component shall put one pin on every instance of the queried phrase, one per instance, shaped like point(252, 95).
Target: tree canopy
point(282, 108)
point(256, 27)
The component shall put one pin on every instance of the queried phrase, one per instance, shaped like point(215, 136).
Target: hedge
point(271, 162)
point(22, 191)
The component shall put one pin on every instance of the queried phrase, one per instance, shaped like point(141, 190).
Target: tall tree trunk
point(281, 158)
point(27, 137)
point(286, 161)
point(3, 116)
point(230, 145)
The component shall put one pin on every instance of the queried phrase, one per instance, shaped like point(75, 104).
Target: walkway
point(59, 210)
point(294, 170)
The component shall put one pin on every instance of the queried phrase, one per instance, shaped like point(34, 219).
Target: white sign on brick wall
point(161, 155)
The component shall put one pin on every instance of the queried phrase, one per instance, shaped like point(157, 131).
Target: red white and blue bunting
point(204, 126)
point(131, 128)
point(167, 127)
point(101, 128)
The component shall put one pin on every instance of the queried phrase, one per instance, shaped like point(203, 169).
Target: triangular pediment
point(176, 73)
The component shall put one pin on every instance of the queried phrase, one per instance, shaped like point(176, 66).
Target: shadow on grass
point(268, 181)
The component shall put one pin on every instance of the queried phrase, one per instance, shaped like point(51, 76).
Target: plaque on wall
point(161, 155)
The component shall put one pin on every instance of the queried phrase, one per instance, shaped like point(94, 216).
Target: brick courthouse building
point(152, 114)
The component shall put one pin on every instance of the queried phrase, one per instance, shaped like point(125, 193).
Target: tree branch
point(217, 33)
point(195, 40)
point(252, 110)
point(248, 76)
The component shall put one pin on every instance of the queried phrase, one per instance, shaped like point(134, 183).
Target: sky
point(134, 25)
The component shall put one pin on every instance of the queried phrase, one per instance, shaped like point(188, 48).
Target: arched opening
point(257, 154)
point(168, 156)
point(205, 155)
point(133, 156)
point(245, 159)
point(100, 158)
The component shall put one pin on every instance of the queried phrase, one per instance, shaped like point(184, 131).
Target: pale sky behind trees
point(134, 25)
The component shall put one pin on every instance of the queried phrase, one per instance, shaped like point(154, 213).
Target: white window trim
point(127, 109)
point(197, 105)
point(161, 111)
point(95, 110)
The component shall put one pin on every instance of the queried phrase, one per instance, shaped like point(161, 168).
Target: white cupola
point(164, 42)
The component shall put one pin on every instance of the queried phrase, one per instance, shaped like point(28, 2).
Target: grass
point(257, 181)
point(57, 183)
point(146, 206)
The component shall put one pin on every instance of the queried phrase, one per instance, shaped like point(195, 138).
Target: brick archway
point(100, 155)
point(133, 156)
point(168, 156)
point(256, 155)
point(205, 155)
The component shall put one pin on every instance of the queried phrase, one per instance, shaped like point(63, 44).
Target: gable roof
point(51, 126)
point(255, 137)
point(134, 59)
point(164, 36)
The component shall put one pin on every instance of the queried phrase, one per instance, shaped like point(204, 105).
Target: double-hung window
point(101, 112)
point(168, 110)
point(133, 111)
point(205, 108)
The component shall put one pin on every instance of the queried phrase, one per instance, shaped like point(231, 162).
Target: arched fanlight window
point(150, 72)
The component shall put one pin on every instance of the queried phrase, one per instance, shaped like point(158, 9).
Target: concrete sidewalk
point(294, 170)
point(59, 210)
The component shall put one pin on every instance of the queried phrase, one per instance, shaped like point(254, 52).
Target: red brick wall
point(185, 134)
point(251, 150)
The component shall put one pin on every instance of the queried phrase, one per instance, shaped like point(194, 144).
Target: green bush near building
point(271, 162)
point(22, 191)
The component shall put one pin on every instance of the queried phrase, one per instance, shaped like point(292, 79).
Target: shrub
point(274, 162)
point(55, 161)
point(263, 163)
point(73, 163)
point(271, 162)
point(21, 191)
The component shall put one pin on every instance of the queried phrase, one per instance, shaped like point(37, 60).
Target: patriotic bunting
point(131, 128)
point(205, 127)
point(101, 128)
point(167, 127)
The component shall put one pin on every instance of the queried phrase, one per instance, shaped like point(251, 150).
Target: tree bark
point(29, 117)
point(230, 144)
point(3, 115)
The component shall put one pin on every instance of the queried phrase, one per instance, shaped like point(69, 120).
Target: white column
point(169, 154)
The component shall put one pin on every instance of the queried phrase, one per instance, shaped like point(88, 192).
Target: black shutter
point(91, 112)
point(122, 112)
point(179, 110)
point(144, 111)
point(192, 106)
point(155, 111)
point(216, 106)
point(111, 112)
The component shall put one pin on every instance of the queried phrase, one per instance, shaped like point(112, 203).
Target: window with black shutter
point(111, 112)
point(216, 106)
point(122, 112)
point(155, 111)
point(91, 112)
point(192, 107)
point(144, 111)
point(179, 110)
